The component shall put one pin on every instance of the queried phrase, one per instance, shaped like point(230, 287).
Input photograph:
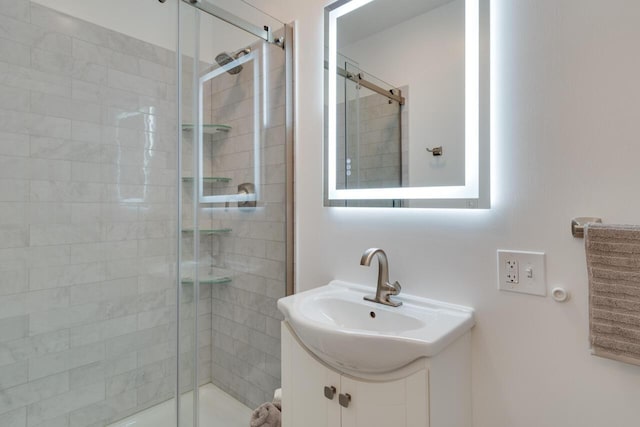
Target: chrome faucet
point(385, 289)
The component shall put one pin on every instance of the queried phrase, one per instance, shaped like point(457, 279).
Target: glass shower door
point(234, 200)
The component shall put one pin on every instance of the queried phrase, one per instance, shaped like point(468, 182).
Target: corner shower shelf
point(208, 129)
point(209, 231)
point(208, 280)
point(208, 179)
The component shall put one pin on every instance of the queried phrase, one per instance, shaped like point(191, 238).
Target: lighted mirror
point(213, 188)
point(407, 103)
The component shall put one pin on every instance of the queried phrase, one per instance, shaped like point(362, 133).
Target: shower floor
point(217, 409)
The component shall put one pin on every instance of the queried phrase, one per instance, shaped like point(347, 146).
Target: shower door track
point(358, 79)
point(264, 33)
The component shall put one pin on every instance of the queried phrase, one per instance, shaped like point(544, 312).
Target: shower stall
point(145, 211)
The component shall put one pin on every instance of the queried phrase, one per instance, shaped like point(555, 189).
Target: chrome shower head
point(225, 58)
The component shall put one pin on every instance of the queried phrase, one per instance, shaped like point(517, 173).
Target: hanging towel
point(267, 415)
point(613, 262)
point(277, 398)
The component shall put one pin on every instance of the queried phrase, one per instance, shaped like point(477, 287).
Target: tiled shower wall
point(372, 129)
point(87, 221)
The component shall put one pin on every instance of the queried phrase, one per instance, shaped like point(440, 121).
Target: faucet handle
point(393, 288)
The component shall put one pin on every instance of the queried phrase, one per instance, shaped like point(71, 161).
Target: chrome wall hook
point(436, 151)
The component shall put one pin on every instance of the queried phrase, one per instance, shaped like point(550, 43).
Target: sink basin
point(347, 332)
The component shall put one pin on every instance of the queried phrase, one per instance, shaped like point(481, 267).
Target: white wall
point(427, 54)
point(565, 144)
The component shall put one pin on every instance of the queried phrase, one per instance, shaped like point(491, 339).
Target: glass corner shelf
point(208, 179)
point(207, 280)
point(207, 129)
point(208, 231)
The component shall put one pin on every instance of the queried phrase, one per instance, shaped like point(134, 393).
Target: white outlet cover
point(527, 261)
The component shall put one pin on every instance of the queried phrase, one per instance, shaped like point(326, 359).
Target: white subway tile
point(65, 149)
point(35, 80)
point(18, 9)
point(49, 213)
point(17, 417)
point(53, 191)
point(49, 170)
point(67, 275)
point(98, 332)
point(34, 346)
point(14, 98)
point(33, 391)
point(101, 412)
point(12, 213)
point(85, 131)
point(63, 403)
point(13, 277)
point(136, 84)
point(12, 306)
point(57, 106)
point(14, 236)
point(122, 268)
point(82, 213)
point(40, 301)
point(50, 321)
point(55, 234)
point(34, 124)
point(13, 144)
point(104, 291)
point(50, 19)
point(66, 360)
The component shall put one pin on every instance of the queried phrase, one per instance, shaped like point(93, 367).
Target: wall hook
point(436, 151)
point(577, 225)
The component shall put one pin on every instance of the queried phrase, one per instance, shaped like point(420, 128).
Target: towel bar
point(577, 225)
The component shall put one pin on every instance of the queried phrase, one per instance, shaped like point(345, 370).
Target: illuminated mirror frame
point(474, 194)
point(225, 198)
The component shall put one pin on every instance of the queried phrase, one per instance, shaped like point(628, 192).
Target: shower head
point(224, 58)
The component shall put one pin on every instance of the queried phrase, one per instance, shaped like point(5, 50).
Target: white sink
point(345, 331)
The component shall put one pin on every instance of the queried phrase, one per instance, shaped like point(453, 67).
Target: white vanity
point(355, 363)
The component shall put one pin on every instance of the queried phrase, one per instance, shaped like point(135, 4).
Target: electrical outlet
point(511, 271)
point(522, 272)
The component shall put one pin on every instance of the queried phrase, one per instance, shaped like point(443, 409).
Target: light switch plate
point(529, 270)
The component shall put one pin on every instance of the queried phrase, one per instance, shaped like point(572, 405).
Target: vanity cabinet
point(315, 395)
point(429, 392)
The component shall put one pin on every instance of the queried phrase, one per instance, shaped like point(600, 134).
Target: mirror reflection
point(402, 79)
point(401, 93)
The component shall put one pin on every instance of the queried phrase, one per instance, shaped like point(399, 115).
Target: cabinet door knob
point(329, 392)
point(344, 399)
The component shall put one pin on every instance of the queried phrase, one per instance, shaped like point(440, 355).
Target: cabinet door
point(401, 403)
point(303, 381)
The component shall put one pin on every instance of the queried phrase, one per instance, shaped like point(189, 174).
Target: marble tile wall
point(377, 159)
point(87, 221)
point(371, 139)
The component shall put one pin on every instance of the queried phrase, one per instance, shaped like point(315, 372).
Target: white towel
point(277, 398)
point(267, 415)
